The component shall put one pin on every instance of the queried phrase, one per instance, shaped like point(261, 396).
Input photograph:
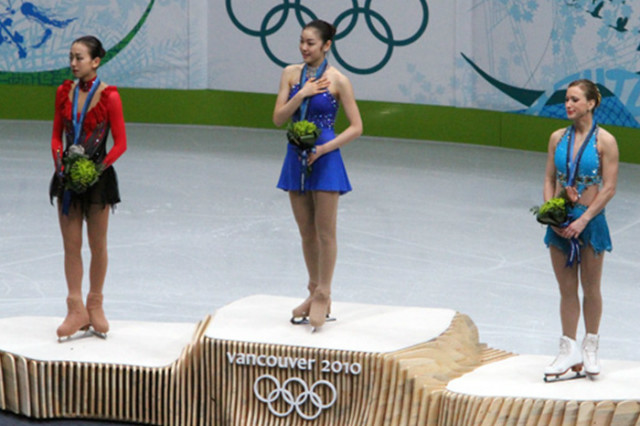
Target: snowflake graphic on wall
point(25, 26)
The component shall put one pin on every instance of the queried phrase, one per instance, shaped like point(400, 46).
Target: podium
point(135, 375)
point(247, 364)
point(512, 389)
point(375, 365)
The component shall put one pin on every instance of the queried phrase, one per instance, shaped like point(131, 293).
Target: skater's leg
point(326, 214)
point(71, 229)
point(591, 277)
point(569, 355)
point(303, 209)
point(97, 225)
point(567, 278)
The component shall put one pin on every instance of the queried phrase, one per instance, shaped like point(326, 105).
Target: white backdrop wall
point(503, 55)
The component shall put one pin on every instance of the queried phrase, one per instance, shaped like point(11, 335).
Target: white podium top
point(148, 344)
point(359, 327)
point(521, 377)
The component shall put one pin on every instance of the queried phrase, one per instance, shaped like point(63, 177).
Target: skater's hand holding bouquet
point(303, 134)
point(80, 172)
point(555, 212)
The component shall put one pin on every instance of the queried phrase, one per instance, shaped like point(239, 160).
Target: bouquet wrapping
point(79, 171)
point(303, 134)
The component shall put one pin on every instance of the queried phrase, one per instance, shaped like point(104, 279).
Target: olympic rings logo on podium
point(280, 14)
point(305, 396)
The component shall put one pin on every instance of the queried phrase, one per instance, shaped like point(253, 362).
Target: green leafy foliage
point(553, 212)
point(303, 134)
point(80, 173)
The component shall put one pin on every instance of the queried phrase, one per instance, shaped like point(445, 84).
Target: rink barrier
point(381, 119)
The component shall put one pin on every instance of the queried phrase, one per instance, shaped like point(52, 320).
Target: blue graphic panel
point(534, 49)
point(25, 26)
point(147, 41)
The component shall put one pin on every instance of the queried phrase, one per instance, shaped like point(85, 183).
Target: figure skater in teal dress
point(582, 160)
point(313, 91)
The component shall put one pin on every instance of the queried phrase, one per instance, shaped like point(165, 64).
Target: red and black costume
point(106, 114)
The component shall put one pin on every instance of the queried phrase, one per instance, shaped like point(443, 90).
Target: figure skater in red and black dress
point(85, 111)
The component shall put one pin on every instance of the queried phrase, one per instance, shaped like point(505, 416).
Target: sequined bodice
point(588, 168)
point(322, 109)
point(94, 141)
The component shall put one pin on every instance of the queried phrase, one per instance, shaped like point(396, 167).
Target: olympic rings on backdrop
point(272, 24)
point(306, 395)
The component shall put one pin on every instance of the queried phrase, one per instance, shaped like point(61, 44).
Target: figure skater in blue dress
point(313, 90)
point(583, 161)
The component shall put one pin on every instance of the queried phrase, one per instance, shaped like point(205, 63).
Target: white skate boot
point(569, 358)
point(590, 354)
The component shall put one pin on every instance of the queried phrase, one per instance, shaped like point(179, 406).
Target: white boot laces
point(591, 349)
point(565, 349)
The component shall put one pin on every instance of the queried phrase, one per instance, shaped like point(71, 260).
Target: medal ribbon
point(573, 165)
point(77, 122)
point(77, 130)
point(304, 154)
point(303, 80)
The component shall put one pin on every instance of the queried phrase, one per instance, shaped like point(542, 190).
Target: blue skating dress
point(328, 172)
point(596, 233)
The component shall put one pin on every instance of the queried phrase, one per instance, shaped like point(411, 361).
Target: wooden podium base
point(137, 374)
point(511, 391)
point(376, 365)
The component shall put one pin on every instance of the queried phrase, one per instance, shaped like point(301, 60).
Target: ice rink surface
point(201, 224)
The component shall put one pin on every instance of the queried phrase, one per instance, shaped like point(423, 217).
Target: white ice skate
point(590, 355)
point(569, 358)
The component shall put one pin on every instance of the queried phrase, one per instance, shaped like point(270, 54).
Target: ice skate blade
point(592, 376)
point(99, 334)
point(305, 320)
point(80, 334)
point(552, 378)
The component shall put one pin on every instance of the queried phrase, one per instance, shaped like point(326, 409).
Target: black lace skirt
point(104, 192)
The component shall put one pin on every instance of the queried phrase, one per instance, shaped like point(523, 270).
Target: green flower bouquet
point(553, 212)
point(303, 134)
point(79, 171)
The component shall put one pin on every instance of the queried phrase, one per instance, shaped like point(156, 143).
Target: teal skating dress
point(596, 233)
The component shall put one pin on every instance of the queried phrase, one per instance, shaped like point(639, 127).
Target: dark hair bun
point(93, 44)
point(326, 30)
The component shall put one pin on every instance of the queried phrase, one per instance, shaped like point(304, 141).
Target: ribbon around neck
point(77, 130)
point(77, 122)
point(303, 80)
point(572, 173)
point(304, 155)
point(574, 163)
